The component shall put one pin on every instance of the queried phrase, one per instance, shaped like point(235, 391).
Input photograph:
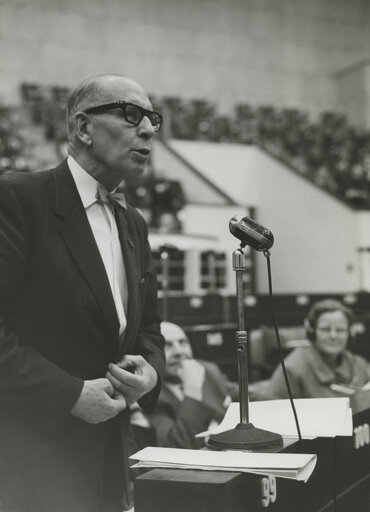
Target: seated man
point(194, 395)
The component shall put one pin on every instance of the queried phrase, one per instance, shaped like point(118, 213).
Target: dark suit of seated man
point(195, 395)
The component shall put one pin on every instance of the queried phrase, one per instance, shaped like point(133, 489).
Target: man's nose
point(145, 128)
point(177, 349)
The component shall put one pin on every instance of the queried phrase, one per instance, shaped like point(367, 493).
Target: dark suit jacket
point(58, 327)
point(177, 422)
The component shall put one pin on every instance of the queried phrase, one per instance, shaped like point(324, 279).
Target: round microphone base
point(244, 437)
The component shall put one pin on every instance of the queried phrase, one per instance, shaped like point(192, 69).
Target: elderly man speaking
point(78, 308)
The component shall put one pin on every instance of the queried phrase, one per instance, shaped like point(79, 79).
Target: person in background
point(325, 368)
point(195, 394)
point(79, 324)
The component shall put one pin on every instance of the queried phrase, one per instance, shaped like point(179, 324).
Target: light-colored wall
point(352, 94)
point(281, 52)
point(166, 165)
point(316, 236)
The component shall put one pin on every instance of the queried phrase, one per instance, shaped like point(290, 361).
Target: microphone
point(251, 233)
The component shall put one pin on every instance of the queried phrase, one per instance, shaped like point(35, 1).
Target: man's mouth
point(175, 364)
point(142, 151)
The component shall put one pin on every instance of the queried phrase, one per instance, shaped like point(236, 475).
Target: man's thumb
point(120, 401)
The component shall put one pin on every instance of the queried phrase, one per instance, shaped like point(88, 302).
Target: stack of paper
point(286, 465)
point(318, 417)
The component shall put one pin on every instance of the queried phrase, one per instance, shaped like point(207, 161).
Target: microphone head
point(249, 232)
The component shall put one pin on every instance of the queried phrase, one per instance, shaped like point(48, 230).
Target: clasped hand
point(132, 377)
point(98, 402)
point(124, 384)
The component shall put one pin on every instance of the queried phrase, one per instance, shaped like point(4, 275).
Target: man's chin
point(133, 172)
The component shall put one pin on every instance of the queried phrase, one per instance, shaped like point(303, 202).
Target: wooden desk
point(340, 482)
point(352, 476)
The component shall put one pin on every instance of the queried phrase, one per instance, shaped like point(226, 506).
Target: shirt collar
point(85, 183)
point(176, 389)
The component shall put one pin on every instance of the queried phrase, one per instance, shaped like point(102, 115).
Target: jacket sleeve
point(276, 387)
point(30, 385)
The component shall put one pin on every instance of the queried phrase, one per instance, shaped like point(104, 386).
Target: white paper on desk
point(318, 417)
point(285, 465)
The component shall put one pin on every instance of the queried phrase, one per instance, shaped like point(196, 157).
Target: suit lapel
point(129, 251)
point(77, 234)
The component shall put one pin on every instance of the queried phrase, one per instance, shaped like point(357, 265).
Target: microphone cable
point(281, 356)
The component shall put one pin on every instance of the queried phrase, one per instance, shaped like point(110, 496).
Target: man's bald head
point(175, 336)
point(97, 90)
point(105, 143)
point(170, 330)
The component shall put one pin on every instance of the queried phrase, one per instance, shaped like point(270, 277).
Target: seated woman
point(325, 368)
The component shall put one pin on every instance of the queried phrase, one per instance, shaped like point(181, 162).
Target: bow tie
point(112, 198)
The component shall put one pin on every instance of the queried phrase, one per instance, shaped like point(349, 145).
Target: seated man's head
point(328, 327)
point(177, 348)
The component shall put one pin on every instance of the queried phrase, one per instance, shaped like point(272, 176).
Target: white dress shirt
point(104, 228)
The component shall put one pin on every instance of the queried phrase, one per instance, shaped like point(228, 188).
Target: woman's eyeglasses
point(326, 329)
point(132, 113)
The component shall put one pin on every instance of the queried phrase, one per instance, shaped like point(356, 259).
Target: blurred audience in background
point(328, 151)
point(14, 155)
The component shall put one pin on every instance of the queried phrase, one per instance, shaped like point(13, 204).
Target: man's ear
point(83, 128)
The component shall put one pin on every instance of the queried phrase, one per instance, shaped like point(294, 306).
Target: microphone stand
point(244, 436)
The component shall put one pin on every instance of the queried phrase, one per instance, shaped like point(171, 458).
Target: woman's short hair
point(321, 307)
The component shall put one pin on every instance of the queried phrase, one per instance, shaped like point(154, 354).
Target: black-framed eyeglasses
point(132, 113)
